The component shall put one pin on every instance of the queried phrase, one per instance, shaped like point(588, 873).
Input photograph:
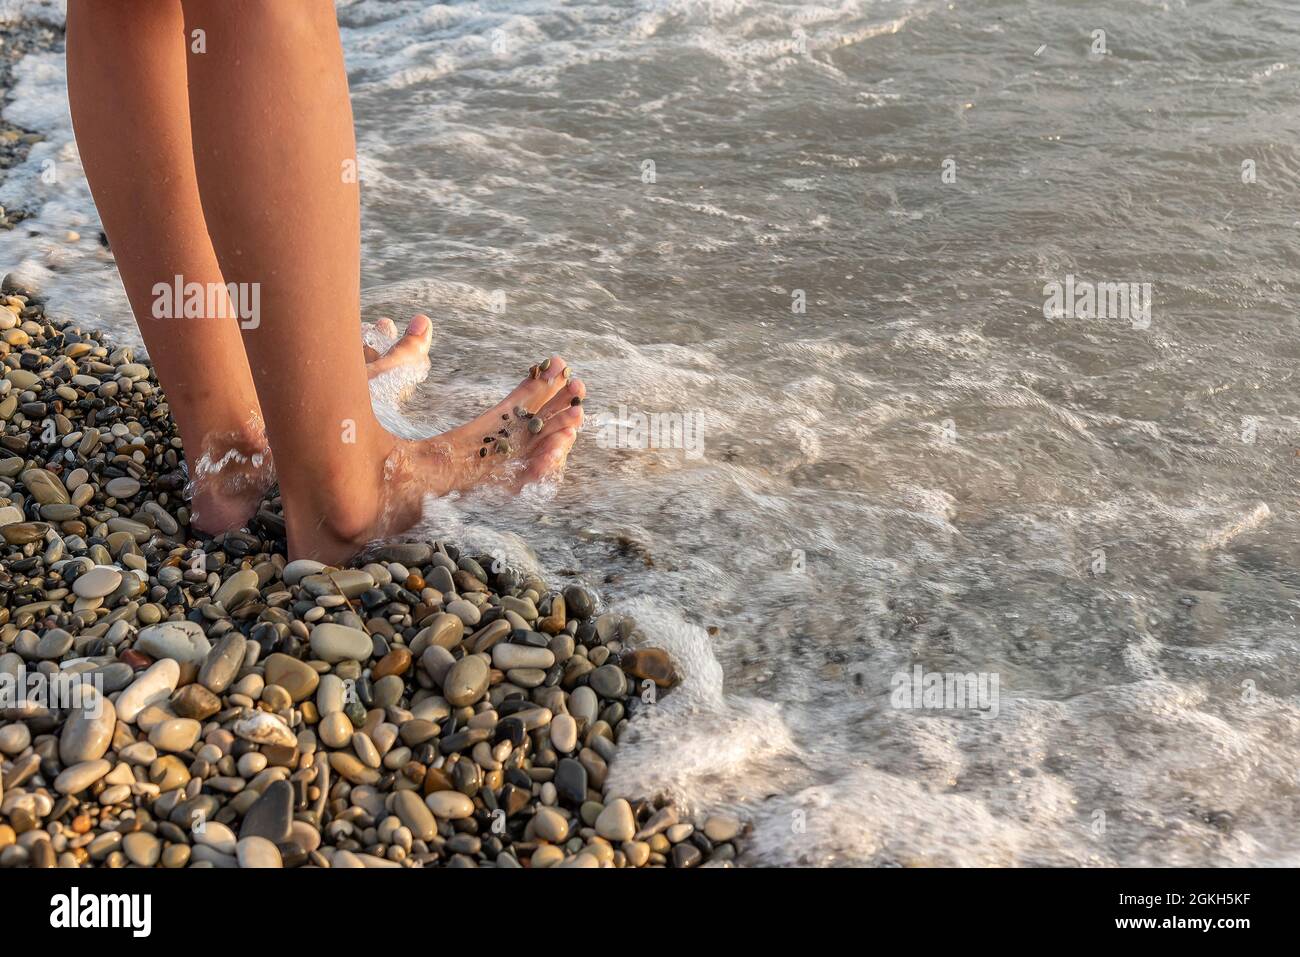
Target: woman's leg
point(273, 137)
point(127, 79)
point(126, 88)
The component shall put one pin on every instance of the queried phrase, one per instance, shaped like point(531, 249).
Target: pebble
point(214, 835)
point(550, 825)
point(285, 713)
point(44, 487)
point(445, 631)
point(466, 681)
point(88, 730)
point(271, 815)
point(450, 805)
point(571, 782)
point(263, 728)
point(223, 662)
point(176, 734)
point(509, 656)
point(300, 568)
point(331, 693)
point(195, 701)
point(578, 602)
point(416, 815)
point(564, 733)
point(182, 640)
point(78, 777)
point(335, 730)
point(152, 687)
point(99, 581)
point(14, 739)
point(394, 664)
point(721, 828)
point(584, 705)
point(295, 676)
point(142, 849)
point(335, 643)
point(652, 664)
point(686, 855)
point(54, 644)
point(122, 487)
point(464, 610)
point(236, 590)
point(258, 852)
point(616, 822)
point(608, 681)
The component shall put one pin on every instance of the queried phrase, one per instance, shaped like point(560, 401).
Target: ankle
point(222, 450)
point(330, 517)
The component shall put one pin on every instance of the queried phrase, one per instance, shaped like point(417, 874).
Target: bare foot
point(228, 478)
point(524, 438)
point(234, 470)
point(385, 351)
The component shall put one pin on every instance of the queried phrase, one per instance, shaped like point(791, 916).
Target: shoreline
point(420, 707)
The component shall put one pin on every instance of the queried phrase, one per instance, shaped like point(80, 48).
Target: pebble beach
point(424, 707)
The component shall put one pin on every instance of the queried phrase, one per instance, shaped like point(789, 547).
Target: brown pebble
point(436, 779)
point(396, 662)
point(576, 400)
point(651, 663)
point(138, 660)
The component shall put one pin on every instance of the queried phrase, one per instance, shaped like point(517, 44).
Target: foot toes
point(564, 398)
point(570, 418)
point(411, 350)
point(387, 327)
point(554, 370)
point(548, 457)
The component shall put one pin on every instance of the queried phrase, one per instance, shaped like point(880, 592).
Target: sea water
point(836, 238)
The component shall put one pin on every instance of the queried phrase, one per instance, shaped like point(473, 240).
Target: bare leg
point(126, 88)
point(272, 130)
point(127, 76)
